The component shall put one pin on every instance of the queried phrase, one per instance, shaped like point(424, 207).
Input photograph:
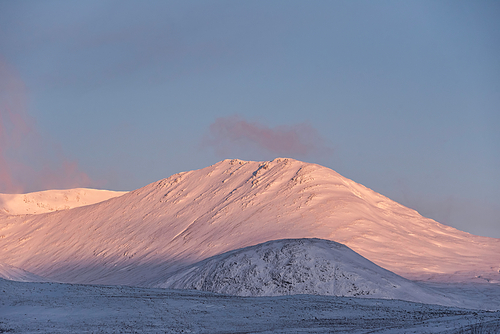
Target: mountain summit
point(145, 235)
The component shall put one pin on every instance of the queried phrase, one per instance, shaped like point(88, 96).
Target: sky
point(400, 96)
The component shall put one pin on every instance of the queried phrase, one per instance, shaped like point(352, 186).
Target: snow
point(299, 266)
point(68, 308)
point(143, 237)
point(16, 274)
point(240, 228)
point(53, 200)
point(233, 204)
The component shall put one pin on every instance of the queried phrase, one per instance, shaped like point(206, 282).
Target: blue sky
point(401, 96)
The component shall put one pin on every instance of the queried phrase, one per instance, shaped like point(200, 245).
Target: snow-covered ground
point(67, 308)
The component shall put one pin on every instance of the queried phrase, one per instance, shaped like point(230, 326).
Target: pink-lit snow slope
point(53, 200)
point(145, 235)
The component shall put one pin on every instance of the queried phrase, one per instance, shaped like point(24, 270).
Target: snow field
point(63, 308)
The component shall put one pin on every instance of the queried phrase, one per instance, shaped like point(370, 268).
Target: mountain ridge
point(150, 232)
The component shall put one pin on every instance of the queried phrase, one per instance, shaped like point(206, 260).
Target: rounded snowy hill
point(298, 266)
point(147, 234)
point(53, 200)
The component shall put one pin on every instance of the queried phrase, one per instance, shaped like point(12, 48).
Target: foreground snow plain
point(70, 308)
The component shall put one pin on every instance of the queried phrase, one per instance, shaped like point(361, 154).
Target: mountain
point(53, 200)
point(145, 235)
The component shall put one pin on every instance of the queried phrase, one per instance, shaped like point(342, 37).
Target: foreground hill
point(299, 266)
point(145, 235)
point(53, 200)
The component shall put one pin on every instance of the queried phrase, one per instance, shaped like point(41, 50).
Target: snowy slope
point(299, 266)
point(12, 273)
point(147, 234)
point(53, 200)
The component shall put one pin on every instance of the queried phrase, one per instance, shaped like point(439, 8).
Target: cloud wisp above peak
point(235, 135)
point(29, 161)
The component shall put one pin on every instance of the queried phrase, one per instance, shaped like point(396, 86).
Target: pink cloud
point(20, 142)
point(233, 134)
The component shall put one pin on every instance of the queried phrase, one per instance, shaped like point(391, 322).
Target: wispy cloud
point(234, 135)
point(28, 160)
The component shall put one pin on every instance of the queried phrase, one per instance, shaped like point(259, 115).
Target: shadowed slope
point(15, 274)
point(148, 233)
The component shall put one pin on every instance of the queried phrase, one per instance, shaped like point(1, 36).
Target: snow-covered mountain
point(299, 266)
point(145, 235)
point(53, 200)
